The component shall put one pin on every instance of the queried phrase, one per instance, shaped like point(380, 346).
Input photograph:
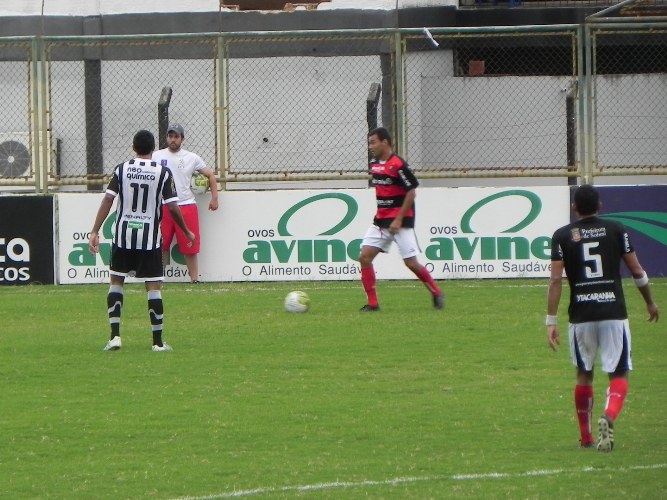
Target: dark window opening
point(518, 61)
point(631, 59)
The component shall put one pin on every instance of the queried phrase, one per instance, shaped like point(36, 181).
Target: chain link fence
point(629, 100)
point(475, 102)
point(491, 102)
point(101, 92)
point(297, 105)
point(16, 144)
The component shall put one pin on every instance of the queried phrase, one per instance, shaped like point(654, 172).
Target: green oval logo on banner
point(352, 209)
point(535, 209)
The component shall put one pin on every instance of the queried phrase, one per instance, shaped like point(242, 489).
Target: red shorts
point(169, 228)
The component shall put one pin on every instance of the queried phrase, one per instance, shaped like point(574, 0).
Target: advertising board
point(643, 211)
point(26, 240)
point(294, 235)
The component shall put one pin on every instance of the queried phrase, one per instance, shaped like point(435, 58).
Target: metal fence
point(296, 103)
point(16, 101)
point(102, 90)
point(567, 100)
point(629, 99)
point(491, 102)
point(481, 4)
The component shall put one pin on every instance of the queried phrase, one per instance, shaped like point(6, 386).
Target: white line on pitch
point(406, 480)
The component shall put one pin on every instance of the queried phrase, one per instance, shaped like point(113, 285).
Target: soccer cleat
point(368, 308)
point(606, 434)
point(114, 344)
point(589, 444)
point(163, 348)
point(439, 301)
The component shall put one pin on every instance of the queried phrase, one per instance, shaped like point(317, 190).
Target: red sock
point(368, 280)
point(427, 279)
point(583, 402)
point(616, 392)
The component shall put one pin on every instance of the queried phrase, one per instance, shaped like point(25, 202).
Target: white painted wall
point(632, 119)
point(489, 122)
point(130, 93)
point(308, 113)
point(101, 7)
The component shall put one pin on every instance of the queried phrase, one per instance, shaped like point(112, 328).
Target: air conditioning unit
point(15, 155)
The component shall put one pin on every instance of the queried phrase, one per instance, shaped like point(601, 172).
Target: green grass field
point(255, 402)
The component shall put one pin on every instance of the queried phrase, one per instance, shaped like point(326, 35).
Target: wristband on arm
point(642, 281)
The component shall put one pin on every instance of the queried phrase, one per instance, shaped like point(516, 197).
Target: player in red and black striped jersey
point(140, 186)
point(395, 191)
point(590, 252)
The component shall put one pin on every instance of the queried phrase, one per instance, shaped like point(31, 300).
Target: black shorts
point(144, 264)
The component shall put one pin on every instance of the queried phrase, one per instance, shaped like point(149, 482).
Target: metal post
point(400, 139)
point(591, 155)
point(571, 133)
point(388, 90)
point(163, 116)
point(36, 55)
point(45, 136)
point(93, 106)
point(222, 112)
point(582, 95)
point(372, 102)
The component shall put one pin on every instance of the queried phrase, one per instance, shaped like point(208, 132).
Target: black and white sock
point(114, 308)
point(156, 313)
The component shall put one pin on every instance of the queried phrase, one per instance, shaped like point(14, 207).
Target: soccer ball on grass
point(297, 302)
point(199, 183)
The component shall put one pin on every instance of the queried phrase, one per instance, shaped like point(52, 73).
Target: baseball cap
point(175, 127)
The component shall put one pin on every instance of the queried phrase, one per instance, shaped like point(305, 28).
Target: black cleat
point(439, 301)
point(368, 308)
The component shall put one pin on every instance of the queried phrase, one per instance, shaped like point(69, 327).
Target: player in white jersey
point(183, 165)
point(140, 186)
point(590, 252)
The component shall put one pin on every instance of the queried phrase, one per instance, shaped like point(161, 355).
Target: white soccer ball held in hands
point(199, 183)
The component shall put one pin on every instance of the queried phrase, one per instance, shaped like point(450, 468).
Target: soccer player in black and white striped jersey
point(140, 186)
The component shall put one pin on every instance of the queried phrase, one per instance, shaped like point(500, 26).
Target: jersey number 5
point(593, 260)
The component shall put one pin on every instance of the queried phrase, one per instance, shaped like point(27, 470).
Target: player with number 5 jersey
point(591, 251)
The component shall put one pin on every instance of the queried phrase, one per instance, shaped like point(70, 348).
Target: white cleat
point(114, 344)
point(164, 348)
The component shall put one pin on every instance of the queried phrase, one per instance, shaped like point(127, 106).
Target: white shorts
point(381, 238)
point(612, 337)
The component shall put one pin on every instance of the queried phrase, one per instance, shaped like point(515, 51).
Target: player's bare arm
point(553, 299)
point(102, 213)
point(213, 183)
point(642, 282)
